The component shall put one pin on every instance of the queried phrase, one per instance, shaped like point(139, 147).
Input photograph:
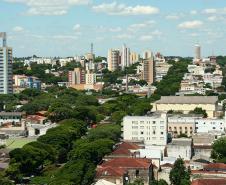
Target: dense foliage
point(179, 175)
point(219, 150)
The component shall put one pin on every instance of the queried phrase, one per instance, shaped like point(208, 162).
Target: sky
point(68, 27)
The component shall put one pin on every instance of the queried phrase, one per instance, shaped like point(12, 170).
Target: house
point(152, 129)
point(124, 149)
point(11, 117)
point(185, 104)
point(122, 170)
point(34, 130)
point(36, 119)
point(180, 147)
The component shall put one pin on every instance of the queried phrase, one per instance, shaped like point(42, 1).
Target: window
point(162, 138)
point(135, 133)
point(141, 132)
point(214, 128)
point(134, 127)
point(141, 122)
point(137, 173)
point(154, 128)
point(153, 122)
point(153, 138)
point(162, 127)
point(141, 127)
point(162, 133)
point(161, 122)
point(153, 132)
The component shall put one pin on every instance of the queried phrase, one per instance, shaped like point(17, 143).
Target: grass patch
point(13, 143)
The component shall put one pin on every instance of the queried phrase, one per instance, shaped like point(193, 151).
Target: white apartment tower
point(113, 59)
point(125, 57)
point(150, 129)
point(197, 52)
point(6, 59)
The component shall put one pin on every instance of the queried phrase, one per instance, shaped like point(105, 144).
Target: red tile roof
point(215, 166)
point(109, 171)
point(124, 148)
point(36, 118)
point(128, 163)
point(209, 182)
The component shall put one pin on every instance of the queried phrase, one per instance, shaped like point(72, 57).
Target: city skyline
point(67, 27)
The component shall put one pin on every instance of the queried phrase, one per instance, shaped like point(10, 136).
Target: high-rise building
point(76, 77)
point(113, 59)
point(6, 59)
point(147, 54)
point(125, 57)
point(197, 52)
point(134, 57)
point(148, 70)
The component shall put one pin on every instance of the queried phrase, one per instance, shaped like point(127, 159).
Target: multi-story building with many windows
point(6, 82)
point(150, 129)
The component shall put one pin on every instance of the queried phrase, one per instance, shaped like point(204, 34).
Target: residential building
point(125, 57)
point(113, 59)
point(125, 170)
point(6, 59)
point(185, 104)
point(180, 147)
point(197, 52)
point(182, 124)
point(147, 54)
point(90, 78)
point(150, 129)
point(206, 125)
point(11, 117)
point(76, 77)
point(134, 57)
point(148, 73)
point(36, 130)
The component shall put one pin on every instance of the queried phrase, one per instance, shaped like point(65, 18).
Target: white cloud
point(76, 27)
point(117, 29)
point(49, 7)
point(156, 33)
point(123, 36)
point(172, 17)
point(121, 9)
point(146, 38)
point(193, 12)
point(212, 18)
point(190, 24)
point(139, 26)
point(210, 11)
point(18, 29)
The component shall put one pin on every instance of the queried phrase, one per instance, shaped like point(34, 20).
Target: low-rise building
point(185, 104)
point(125, 170)
point(180, 147)
point(205, 125)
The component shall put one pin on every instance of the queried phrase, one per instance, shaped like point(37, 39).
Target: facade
point(181, 124)
point(147, 55)
point(6, 59)
point(11, 117)
point(148, 73)
point(91, 78)
point(185, 104)
point(150, 129)
point(209, 125)
point(180, 147)
point(22, 81)
point(197, 52)
point(113, 59)
point(122, 171)
point(134, 57)
point(76, 77)
point(125, 57)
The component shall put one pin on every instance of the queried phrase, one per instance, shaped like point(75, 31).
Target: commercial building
point(150, 129)
point(113, 59)
point(185, 104)
point(6, 59)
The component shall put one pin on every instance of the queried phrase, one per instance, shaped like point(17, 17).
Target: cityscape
point(115, 113)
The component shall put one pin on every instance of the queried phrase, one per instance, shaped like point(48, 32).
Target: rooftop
point(215, 166)
point(124, 148)
point(188, 100)
point(127, 163)
point(181, 141)
point(12, 113)
point(209, 182)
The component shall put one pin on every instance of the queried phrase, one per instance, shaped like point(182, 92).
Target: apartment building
point(113, 59)
point(6, 59)
point(152, 130)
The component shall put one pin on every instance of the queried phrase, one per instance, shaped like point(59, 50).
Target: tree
point(219, 150)
point(159, 182)
point(179, 175)
point(137, 182)
point(199, 110)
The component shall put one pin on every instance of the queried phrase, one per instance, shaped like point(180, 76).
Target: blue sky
point(67, 27)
